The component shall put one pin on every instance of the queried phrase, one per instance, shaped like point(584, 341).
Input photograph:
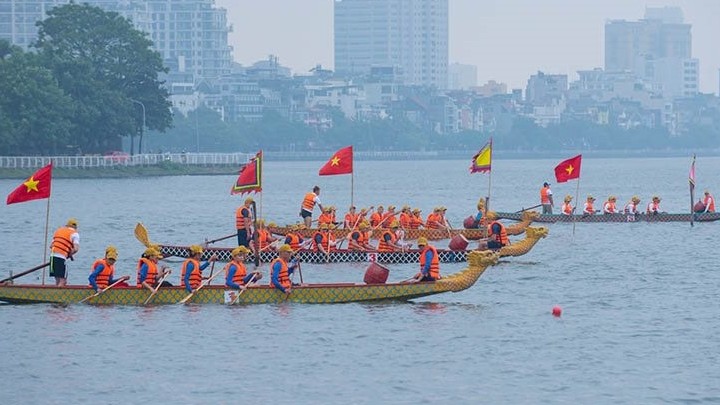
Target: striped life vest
point(62, 241)
point(384, 246)
point(434, 262)
point(283, 276)
point(309, 202)
point(195, 276)
point(502, 237)
point(152, 272)
point(103, 279)
point(243, 218)
point(240, 272)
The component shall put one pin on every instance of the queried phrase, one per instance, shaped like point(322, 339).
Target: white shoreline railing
point(85, 162)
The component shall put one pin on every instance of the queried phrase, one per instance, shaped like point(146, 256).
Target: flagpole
point(577, 195)
point(692, 192)
point(352, 188)
point(47, 223)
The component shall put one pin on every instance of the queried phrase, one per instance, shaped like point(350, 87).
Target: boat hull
point(430, 234)
point(309, 293)
point(662, 217)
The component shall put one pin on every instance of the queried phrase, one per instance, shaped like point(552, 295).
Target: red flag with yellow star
point(568, 169)
point(340, 163)
point(35, 188)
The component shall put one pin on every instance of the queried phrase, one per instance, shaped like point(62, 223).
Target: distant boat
point(620, 217)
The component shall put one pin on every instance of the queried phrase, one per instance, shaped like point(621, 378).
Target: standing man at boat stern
point(243, 223)
point(546, 199)
point(65, 243)
point(429, 261)
point(308, 203)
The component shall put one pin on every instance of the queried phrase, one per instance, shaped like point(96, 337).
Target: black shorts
point(305, 214)
point(242, 237)
point(57, 267)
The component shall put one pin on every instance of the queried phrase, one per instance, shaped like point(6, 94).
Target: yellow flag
point(481, 162)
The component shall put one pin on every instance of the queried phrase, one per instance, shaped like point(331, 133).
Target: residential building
point(461, 77)
point(544, 90)
point(190, 35)
point(410, 34)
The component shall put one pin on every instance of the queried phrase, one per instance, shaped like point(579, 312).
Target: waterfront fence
point(120, 160)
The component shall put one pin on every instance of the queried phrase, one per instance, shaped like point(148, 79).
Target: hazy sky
point(507, 40)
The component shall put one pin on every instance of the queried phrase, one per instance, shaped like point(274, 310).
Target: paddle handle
point(206, 282)
point(155, 290)
point(525, 209)
point(36, 268)
point(221, 239)
point(120, 280)
point(237, 297)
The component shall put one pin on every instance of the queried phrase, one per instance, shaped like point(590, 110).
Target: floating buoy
point(557, 311)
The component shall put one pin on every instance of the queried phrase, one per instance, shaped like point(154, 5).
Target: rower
point(358, 238)
point(103, 271)
point(588, 208)
point(609, 206)
point(653, 206)
point(388, 239)
point(236, 275)
point(429, 261)
point(567, 208)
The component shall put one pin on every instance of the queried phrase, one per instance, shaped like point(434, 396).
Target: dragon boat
point(518, 248)
point(478, 262)
point(620, 217)
point(429, 234)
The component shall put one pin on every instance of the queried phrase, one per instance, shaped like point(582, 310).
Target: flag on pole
point(250, 177)
point(568, 169)
point(482, 160)
point(691, 180)
point(340, 163)
point(34, 188)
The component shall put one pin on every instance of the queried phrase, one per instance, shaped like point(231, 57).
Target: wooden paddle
point(155, 290)
point(141, 234)
point(237, 297)
point(120, 280)
point(220, 239)
point(203, 284)
point(36, 268)
point(526, 209)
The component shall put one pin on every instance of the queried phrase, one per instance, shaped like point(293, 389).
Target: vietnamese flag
point(568, 169)
point(340, 163)
point(35, 188)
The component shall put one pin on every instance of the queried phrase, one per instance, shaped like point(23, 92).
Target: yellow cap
point(416, 210)
point(72, 222)
point(364, 225)
point(111, 252)
point(323, 226)
point(391, 207)
point(635, 199)
point(240, 250)
point(481, 204)
point(285, 248)
point(612, 198)
point(422, 241)
point(271, 224)
point(656, 198)
point(395, 224)
point(568, 198)
point(152, 252)
point(249, 200)
point(590, 197)
point(196, 249)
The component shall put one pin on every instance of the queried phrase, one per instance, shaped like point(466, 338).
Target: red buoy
point(557, 311)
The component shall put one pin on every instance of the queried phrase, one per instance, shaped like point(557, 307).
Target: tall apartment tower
point(657, 49)
point(409, 34)
point(190, 35)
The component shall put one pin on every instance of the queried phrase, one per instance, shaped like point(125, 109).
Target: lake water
point(640, 301)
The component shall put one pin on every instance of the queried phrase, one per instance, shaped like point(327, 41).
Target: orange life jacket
point(151, 273)
point(324, 242)
point(309, 201)
point(240, 272)
point(631, 208)
point(103, 279)
point(351, 220)
point(544, 196)
point(263, 238)
point(589, 209)
point(283, 277)
point(388, 219)
point(62, 242)
point(502, 238)
point(609, 207)
point(434, 263)
point(708, 200)
point(195, 276)
point(567, 208)
point(361, 237)
point(325, 218)
point(240, 220)
point(383, 246)
point(294, 240)
point(405, 220)
point(433, 221)
point(375, 219)
point(416, 222)
point(653, 207)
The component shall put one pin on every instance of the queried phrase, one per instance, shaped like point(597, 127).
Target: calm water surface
point(640, 301)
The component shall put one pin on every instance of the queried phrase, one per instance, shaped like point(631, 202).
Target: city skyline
point(507, 42)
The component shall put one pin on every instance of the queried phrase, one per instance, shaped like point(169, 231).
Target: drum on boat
point(699, 207)
point(376, 274)
point(469, 223)
point(458, 242)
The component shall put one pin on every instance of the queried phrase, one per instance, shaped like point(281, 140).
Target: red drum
point(469, 223)
point(458, 242)
point(699, 207)
point(376, 274)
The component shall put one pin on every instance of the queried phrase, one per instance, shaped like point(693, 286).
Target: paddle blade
point(141, 234)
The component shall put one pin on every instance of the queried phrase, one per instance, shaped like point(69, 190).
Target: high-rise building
point(409, 34)
point(657, 49)
point(190, 35)
point(461, 77)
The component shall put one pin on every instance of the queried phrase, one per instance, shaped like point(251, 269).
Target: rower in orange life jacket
point(708, 202)
point(416, 221)
point(588, 208)
point(631, 207)
point(325, 217)
point(358, 238)
point(388, 239)
point(567, 208)
point(236, 275)
point(294, 239)
point(389, 216)
point(281, 268)
point(405, 217)
point(103, 271)
point(429, 261)
point(265, 238)
point(497, 235)
point(654, 206)
point(191, 274)
point(433, 219)
point(351, 218)
point(308, 203)
point(243, 223)
point(147, 270)
point(609, 206)
point(324, 239)
point(377, 217)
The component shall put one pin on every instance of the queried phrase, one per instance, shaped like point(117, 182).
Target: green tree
point(104, 63)
point(34, 113)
